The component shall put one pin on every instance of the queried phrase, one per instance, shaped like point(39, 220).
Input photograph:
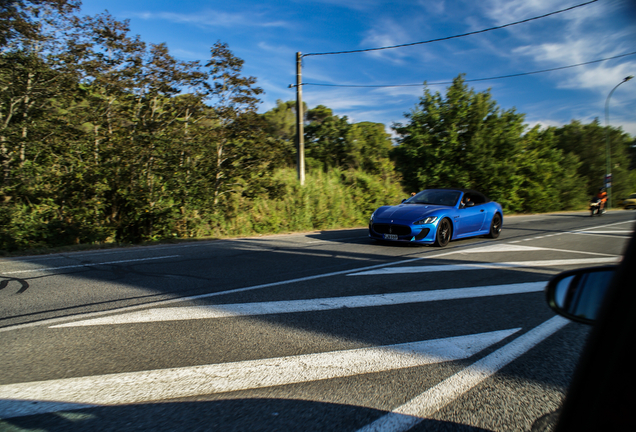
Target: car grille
point(381, 228)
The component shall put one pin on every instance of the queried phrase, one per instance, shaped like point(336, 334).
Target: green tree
point(22, 19)
point(240, 153)
point(550, 181)
point(370, 148)
point(465, 140)
point(326, 139)
point(281, 127)
point(332, 142)
point(588, 143)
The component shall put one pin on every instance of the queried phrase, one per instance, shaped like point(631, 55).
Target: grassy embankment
point(337, 199)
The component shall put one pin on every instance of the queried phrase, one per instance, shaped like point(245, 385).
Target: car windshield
point(436, 197)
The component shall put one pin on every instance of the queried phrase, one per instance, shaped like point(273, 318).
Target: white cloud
point(278, 50)
point(506, 11)
point(433, 7)
point(600, 78)
point(187, 55)
point(356, 5)
point(629, 127)
point(385, 33)
point(214, 19)
point(543, 124)
point(584, 34)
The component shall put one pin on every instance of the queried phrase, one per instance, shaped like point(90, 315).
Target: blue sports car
point(437, 216)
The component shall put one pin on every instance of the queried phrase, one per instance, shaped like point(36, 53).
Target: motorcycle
point(595, 206)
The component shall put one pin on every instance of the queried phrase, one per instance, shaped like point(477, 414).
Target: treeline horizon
point(106, 138)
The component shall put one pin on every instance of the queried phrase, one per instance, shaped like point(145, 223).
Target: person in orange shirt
point(602, 195)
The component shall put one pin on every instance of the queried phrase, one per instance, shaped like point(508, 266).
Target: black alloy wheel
point(444, 231)
point(495, 226)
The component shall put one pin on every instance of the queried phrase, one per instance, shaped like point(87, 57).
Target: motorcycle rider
point(602, 196)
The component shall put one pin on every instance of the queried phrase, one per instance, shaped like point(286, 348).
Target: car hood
point(407, 212)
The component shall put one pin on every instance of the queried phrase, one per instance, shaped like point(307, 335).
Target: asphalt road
point(316, 331)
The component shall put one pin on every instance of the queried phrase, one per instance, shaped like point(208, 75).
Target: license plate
point(390, 237)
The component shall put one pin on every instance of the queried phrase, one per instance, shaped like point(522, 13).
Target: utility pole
point(608, 151)
point(300, 130)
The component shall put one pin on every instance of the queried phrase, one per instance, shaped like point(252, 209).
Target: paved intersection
point(336, 333)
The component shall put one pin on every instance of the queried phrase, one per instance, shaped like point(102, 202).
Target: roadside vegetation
point(105, 139)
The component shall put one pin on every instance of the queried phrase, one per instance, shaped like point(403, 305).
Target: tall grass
point(336, 199)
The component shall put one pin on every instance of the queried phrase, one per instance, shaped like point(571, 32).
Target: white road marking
point(155, 385)
point(573, 232)
point(593, 233)
point(618, 257)
point(514, 247)
point(482, 266)
point(335, 239)
point(606, 232)
point(51, 321)
point(503, 247)
point(612, 224)
point(213, 294)
point(45, 269)
point(426, 404)
point(293, 306)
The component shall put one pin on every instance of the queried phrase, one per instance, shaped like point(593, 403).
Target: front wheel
point(444, 231)
point(495, 226)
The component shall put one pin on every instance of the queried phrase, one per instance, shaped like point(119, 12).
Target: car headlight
point(428, 220)
point(371, 218)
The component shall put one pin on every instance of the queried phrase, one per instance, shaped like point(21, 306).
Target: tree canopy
point(466, 140)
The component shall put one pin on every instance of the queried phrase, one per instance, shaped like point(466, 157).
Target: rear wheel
point(444, 231)
point(495, 226)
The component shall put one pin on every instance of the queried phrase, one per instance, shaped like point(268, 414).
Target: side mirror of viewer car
point(578, 294)
point(601, 393)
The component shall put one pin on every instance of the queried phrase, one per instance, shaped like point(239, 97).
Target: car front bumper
point(400, 232)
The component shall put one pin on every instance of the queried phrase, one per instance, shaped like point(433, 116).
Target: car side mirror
point(578, 294)
point(470, 204)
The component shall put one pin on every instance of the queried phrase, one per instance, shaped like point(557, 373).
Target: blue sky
point(267, 34)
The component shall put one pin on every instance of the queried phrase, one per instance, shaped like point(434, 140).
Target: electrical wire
point(475, 79)
point(452, 37)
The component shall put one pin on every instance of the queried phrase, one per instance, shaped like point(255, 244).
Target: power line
point(475, 79)
point(455, 36)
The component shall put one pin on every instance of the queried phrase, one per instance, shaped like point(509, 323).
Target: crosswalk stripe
point(426, 404)
point(154, 385)
point(482, 266)
point(312, 305)
point(605, 232)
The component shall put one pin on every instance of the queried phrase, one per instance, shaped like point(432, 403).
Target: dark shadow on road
point(199, 273)
point(229, 415)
